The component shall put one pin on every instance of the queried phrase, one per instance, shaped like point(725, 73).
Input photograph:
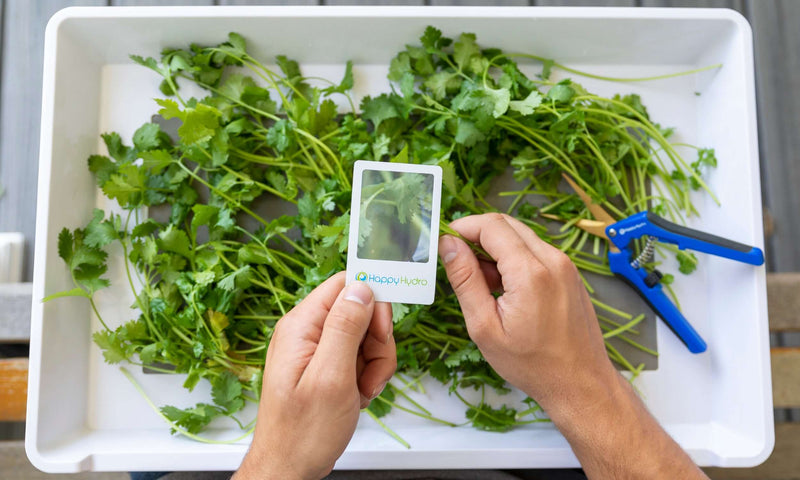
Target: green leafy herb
point(218, 266)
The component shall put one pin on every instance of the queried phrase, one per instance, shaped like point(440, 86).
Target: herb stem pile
point(213, 266)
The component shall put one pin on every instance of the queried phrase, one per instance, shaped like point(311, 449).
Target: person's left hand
point(328, 357)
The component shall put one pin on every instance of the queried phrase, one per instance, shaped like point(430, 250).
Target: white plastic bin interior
point(84, 415)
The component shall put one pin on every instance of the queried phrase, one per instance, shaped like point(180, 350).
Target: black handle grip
point(697, 234)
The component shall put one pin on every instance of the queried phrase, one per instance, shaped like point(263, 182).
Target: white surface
point(11, 250)
point(84, 415)
point(384, 276)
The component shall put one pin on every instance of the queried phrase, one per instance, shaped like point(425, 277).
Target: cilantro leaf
point(687, 262)
point(279, 136)
point(379, 109)
point(468, 354)
point(146, 137)
point(169, 109)
point(560, 92)
point(465, 50)
point(501, 98)
point(102, 167)
point(116, 148)
point(381, 405)
point(65, 240)
point(528, 105)
point(112, 347)
point(484, 417)
point(432, 38)
point(227, 393)
point(194, 419)
point(175, 240)
point(100, 233)
point(203, 215)
point(442, 83)
point(199, 124)
point(156, 160)
point(467, 133)
point(346, 83)
point(239, 278)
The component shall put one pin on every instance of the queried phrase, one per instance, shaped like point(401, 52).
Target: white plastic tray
point(83, 414)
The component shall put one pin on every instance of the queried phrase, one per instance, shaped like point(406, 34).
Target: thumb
point(344, 329)
point(470, 286)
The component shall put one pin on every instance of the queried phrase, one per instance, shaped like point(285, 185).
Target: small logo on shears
point(623, 231)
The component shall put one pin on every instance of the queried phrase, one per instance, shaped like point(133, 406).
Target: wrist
point(592, 392)
point(606, 416)
point(256, 465)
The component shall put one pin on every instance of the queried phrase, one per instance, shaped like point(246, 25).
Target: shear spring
point(647, 253)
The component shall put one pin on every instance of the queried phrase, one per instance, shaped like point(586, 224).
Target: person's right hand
point(541, 334)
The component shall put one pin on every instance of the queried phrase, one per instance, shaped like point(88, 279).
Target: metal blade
point(594, 227)
point(597, 211)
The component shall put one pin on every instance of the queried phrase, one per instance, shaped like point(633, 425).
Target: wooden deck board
point(585, 3)
point(777, 56)
point(141, 3)
point(13, 389)
point(21, 99)
point(732, 4)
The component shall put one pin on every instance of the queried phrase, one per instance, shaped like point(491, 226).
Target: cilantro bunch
point(213, 266)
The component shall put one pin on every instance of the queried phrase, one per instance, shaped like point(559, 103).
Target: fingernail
point(358, 292)
point(389, 337)
point(447, 248)
point(378, 390)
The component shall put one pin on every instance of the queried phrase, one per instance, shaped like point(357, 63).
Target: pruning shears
point(622, 263)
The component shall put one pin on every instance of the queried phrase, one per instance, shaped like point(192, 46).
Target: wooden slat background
point(13, 388)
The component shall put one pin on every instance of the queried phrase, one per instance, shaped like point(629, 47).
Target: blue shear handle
point(658, 301)
point(646, 223)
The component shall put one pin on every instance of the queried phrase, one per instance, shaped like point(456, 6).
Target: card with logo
point(394, 230)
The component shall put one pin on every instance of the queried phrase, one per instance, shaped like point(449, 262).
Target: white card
point(394, 230)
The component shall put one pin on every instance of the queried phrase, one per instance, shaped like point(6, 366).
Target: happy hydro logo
point(391, 280)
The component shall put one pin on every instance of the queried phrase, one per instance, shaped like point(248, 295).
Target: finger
point(381, 363)
point(298, 332)
point(344, 330)
point(470, 286)
point(320, 300)
point(541, 249)
point(491, 275)
point(360, 364)
point(306, 318)
point(381, 329)
point(381, 326)
point(492, 232)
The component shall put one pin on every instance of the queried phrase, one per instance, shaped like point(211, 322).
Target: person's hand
point(541, 334)
point(328, 357)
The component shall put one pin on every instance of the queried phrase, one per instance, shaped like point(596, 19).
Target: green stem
point(624, 328)
point(388, 430)
point(174, 426)
point(614, 79)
